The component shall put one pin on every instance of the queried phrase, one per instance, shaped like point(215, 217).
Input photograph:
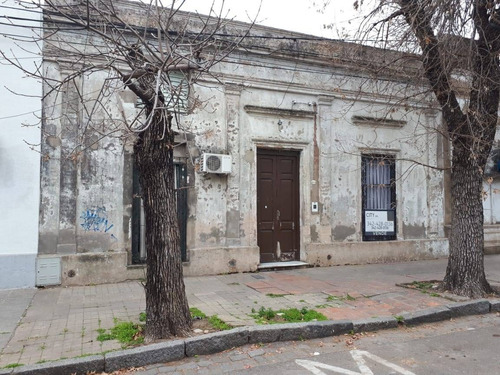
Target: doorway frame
point(302, 151)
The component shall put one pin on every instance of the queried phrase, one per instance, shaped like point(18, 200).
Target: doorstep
point(274, 266)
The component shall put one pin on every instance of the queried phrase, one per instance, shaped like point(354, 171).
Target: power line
point(121, 26)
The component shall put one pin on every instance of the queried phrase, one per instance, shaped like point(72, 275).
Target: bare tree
point(138, 46)
point(458, 42)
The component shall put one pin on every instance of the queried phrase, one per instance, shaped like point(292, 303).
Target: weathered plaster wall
point(336, 254)
point(491, 201)
point(19, 158)
point(308, 117)
point(491, 186)
point(269, 101)
point(84, 208)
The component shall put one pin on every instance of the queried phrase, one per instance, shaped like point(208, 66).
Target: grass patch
point(196, 313)
point(273, 295)
point(263, 313)
point(219, 324)
point(142, 317)
point(346, 297)
point(13, 365)
point(292, 315)
point(324, 306)
point(427, 287)
point(423, 285)
point(399, 318)
point(127, 333)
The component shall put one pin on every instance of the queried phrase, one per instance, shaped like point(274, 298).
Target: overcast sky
point(296, 15)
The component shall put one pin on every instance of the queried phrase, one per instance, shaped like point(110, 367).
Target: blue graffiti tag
point(96, 220)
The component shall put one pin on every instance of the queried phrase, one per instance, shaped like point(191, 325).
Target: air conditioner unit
point(216, 163)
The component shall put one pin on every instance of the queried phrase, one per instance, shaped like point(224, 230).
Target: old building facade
point(292, 149)
point(318, 160)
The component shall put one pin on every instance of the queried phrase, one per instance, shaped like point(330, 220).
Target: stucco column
point(435, 191)
point(69, 169)
point(50, 174)
point(324, 131)
point(233, 93)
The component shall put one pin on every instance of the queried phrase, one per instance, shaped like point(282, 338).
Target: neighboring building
point(491, 203)
point(320, 160)
point(20, 113)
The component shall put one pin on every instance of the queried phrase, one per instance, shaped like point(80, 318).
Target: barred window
point(379, 197)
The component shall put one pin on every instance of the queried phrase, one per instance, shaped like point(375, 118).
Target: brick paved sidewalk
point(63, 322)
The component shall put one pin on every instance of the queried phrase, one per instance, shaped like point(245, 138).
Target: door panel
point(278, 205)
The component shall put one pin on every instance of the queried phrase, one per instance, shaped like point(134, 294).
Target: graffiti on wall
point(96, 220)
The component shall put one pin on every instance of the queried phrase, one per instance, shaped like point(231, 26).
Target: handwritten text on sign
point(376, 222)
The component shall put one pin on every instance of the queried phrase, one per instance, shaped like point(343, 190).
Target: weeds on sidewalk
point(13, 365)
point(274, 295)
point(218, 323)
point(292, 315)
point(131, 334)
point(346, 297)
point(127, 333)
point(215, 322)
point(431, 287)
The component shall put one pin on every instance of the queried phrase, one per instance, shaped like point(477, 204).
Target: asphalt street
point(462, 346)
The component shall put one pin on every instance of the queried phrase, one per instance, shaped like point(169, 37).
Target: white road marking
point(358, 356)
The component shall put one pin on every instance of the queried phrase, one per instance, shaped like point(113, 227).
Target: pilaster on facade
point(435, 172)
point(326, 145)
point(233, 209)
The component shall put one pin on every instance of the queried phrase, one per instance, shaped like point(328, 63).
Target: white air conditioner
point(216, 163)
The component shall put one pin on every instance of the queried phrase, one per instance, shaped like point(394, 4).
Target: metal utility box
point(48, 271)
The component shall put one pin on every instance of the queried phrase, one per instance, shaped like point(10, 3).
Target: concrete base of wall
point(97, 268)
point(492, 239)
point(17, 271)
point(334, 254)
point(101, 268)
point(213, 261)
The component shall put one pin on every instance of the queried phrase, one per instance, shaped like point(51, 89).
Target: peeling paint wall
point(83, 179)
point(328, 114)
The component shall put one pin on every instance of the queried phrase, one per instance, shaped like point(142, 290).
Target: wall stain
point(314, 234)
point(215, 233)
point(414, 231)
point(341, 232)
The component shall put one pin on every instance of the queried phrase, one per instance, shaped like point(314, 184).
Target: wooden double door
point(278, 205)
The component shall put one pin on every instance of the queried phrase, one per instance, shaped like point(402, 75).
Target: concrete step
point(276, 266)
point(491, 247)
point(492, 239)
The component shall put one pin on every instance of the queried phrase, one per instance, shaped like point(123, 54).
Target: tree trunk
point(465, 272)
point(167, 310)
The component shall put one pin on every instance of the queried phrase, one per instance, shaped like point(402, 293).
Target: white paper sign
point(376, 222)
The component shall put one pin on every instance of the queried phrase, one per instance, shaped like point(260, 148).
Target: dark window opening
point(138, 219)
point(379, 197)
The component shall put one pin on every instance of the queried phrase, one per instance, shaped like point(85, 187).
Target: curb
point(219, 341)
